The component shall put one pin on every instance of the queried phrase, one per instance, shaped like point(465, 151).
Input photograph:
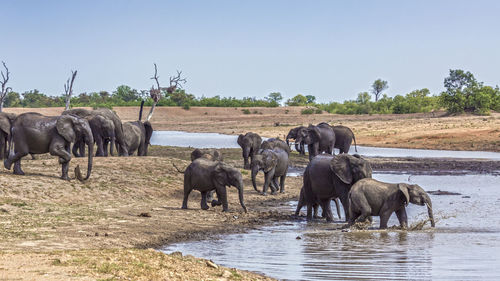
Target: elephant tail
point(140, 111)
point(354, 138)
point(178, 170)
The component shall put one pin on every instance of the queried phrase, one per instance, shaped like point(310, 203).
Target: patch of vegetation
point(245, 111)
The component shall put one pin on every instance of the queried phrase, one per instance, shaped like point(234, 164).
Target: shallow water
point(465, 245)
point(214, 140)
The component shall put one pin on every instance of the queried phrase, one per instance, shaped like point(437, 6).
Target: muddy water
point(213, 140)
point(465, 245)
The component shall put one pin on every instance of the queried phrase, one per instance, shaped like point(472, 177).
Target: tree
point(275, 97)
point(12, 99)
point(310, 99)
point(378, 87)
point(465, 93)
point(68, 89)
point(297, 100)
point(5, 89)
point(125, 93)
point(171, 89)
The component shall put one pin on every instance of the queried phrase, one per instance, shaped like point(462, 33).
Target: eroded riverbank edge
point(66, 233)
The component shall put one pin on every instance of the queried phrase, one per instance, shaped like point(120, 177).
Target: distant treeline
point(463, 94)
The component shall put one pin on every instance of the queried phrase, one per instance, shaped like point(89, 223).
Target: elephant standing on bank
point(319, 139)
point(327, 177)
point(109, 114)
point(302, 203)
point(138, 135)
point(250, 144)
point(6, 120)
point(369, 197)
point(274, 163)
point(36, 134)
point(206, 175)
point(103, 131)
point(343, 138)
point(294, 134)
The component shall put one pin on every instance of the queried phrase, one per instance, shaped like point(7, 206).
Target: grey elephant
point(274, 163)
point(109, 114)
point(343, 137)
point(211, 154)
point(250, 144)
point(273, 143)
point(302, 202)
point(6, 120)
point(369, 197)
point(35, 133)
point(319, 139)
point(206, 175)
point(103, 130)
point(327, 177)
point(137, 135)
point(293, 134)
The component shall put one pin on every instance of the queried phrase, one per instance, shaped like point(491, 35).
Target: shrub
point(245, 111)
point(307, 111)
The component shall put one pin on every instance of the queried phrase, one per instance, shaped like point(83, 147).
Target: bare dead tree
point(5, 90)
point(68, 88)
point(155, 93)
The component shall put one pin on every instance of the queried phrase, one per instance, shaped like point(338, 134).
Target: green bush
point(307, 111)
point(245, 111)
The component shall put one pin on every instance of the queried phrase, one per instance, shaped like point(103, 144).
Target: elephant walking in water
point(274, 163)
point(369, 197)
point(36, 134)
point(302, 203)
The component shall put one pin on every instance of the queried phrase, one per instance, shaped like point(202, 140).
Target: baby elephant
point(206, 175)
point(211, 154)
point(369, 197)
point(274, 163)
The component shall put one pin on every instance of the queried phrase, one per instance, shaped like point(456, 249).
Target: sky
point(330, 49)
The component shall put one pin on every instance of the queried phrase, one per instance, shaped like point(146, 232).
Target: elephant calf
point(274, 163)
point(206, 175)
point(302, 203)
point(369, 197)
point(211, 154)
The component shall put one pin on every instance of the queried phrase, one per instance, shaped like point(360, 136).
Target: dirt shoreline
point(101, 229)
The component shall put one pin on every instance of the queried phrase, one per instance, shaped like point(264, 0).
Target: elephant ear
point(5, 125)
point(404, 189)
point(64, 126)
point(270, 162)
point(220, 175)
point(240, 139)
point(341, 167)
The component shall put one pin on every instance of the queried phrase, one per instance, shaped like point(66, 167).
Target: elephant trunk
point(255, 171)
point(428, 203)
point(246, 154)
point(89, 164)
point(240, 194)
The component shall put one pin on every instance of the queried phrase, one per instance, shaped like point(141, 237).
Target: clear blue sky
point(330, 49)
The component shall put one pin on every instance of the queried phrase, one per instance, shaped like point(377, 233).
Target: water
point(213, 140)
point(465, 245)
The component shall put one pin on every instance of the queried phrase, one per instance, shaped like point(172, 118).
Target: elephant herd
point(33, 133)
point(327, 177)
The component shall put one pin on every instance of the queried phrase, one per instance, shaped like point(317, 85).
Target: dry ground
point(422, 130)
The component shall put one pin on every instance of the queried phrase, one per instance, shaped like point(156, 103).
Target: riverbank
point(433, 130)
point(104, 228)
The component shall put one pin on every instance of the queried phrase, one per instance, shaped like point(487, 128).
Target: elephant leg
point(76, 146)
point(345, 203)
point(402, 217)
point(21, 149)
point(204, 205)
point(309, 211)
point(100, 149)
point(61, 149)
point(215, 202)
point(325, 205)
point(17, 168)
point(316, 209)
point(274, 186)
point(384, 219)
point(82, 149)
point(3, 146)
point(187, 190)
point(282, 183)
point(221, 191)
point(105, 147)
point(268, 177)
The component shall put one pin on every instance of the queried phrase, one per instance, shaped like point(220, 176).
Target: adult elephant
point(343, 137)
point(250, 144)
point(6, 120)
point(320, 138)
point(103, 130)
point(369, 197)
point(207, 175)
point(327, 177)
point(138, 135)
point(109, 114)
point(273, 143)
point(36, 134)
point(294, 134)
point(302, 203)
point(274, 163)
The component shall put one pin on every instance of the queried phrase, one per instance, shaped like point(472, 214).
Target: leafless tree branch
point(68, 88)
point(5, 90)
